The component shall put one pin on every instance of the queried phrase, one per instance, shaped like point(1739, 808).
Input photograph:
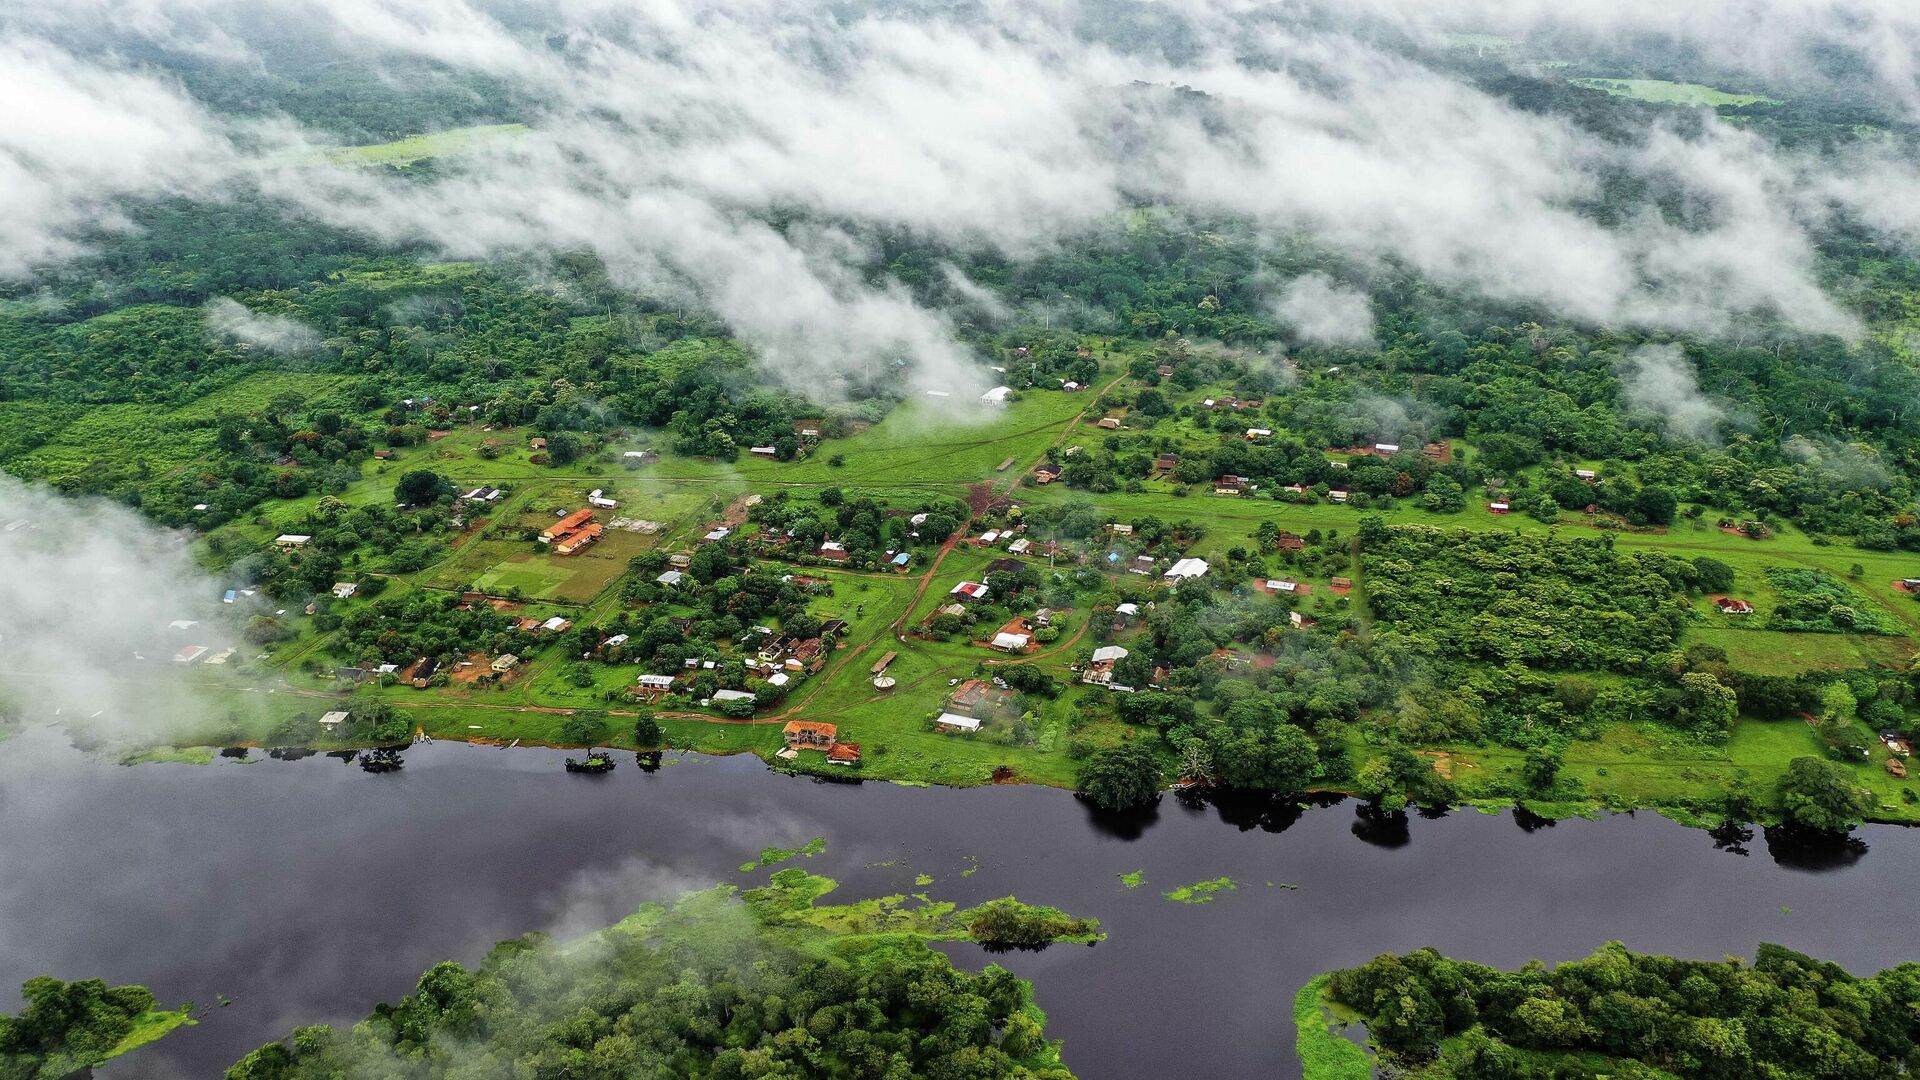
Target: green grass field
point(1662, 92)
point(417, 148)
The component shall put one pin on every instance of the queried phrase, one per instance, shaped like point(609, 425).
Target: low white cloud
point(230, 319)
point(76, 136)
point(681, 140)
point(92, 594)
point(1658, 380)
point(1317, 310)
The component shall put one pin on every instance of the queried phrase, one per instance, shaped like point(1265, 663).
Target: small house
point(1386, 449)
point(833, 551)
point(1118, 529)
point(671, 579)
point(955, 722)
point(537, 443)
point(1011, 643)
point(969, 590)
point(764, 451)
point(1499, 508)
point(1255, 434)
point(1338, 495)
point(578, 540)
point(971, 694)
point(656, 682)
point(1111, 423)
point(807, 734)
point(333, 720)
point(1287, 541)
point(1730, 606)
point(901, 560)
point(1186, 569)
point(843, 753)
point(1302, 621)
point(1228, 485)
point(555, 625)
point(289, 541)
point(999, 395)
point(716, 534)
point(567, 523)
point(1020, 546)
point(344, 589)
point(1586, 474)
point(1046, 473)
point(597, 498)
point(1166, 463)
point(1164, 370)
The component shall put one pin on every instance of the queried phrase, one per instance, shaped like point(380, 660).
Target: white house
point(657, 682)
point(671, 578)
point(555, 625)
point(998, 395)
point(334, 719)
point(595, 498)
point(1107, 654)
point(345, 589)
point(779, 678)
point(731, 695)
point(1010, 642)
point(1388, 448)
point(291, 540)
point(1128, 609)
point(1185, 569)
point(958, 722)
point(1254, 433)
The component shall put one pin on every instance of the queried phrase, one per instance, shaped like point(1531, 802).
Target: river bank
point(307, 891)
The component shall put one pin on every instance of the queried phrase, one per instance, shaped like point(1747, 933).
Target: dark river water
point(307, 891)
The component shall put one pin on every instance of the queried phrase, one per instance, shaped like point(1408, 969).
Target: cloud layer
point(677, 138)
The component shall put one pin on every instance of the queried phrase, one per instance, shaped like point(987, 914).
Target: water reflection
point(1530, 821)
point(1123, 824)
point(1732, 837)
point(258, 871)
point(1381, 828)
point(1813, 851)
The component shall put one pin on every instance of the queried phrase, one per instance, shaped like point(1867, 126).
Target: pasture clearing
point(1662, 92)
point(418, 148)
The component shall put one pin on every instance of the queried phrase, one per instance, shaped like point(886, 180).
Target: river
point(306, 891)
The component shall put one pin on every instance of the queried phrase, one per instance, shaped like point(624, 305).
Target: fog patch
point(231, 320)
point(1658, 380)
point(1321, 312)
point(99, 603)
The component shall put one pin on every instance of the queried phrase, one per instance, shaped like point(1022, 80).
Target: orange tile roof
point(809, 727)
point(570, 522)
